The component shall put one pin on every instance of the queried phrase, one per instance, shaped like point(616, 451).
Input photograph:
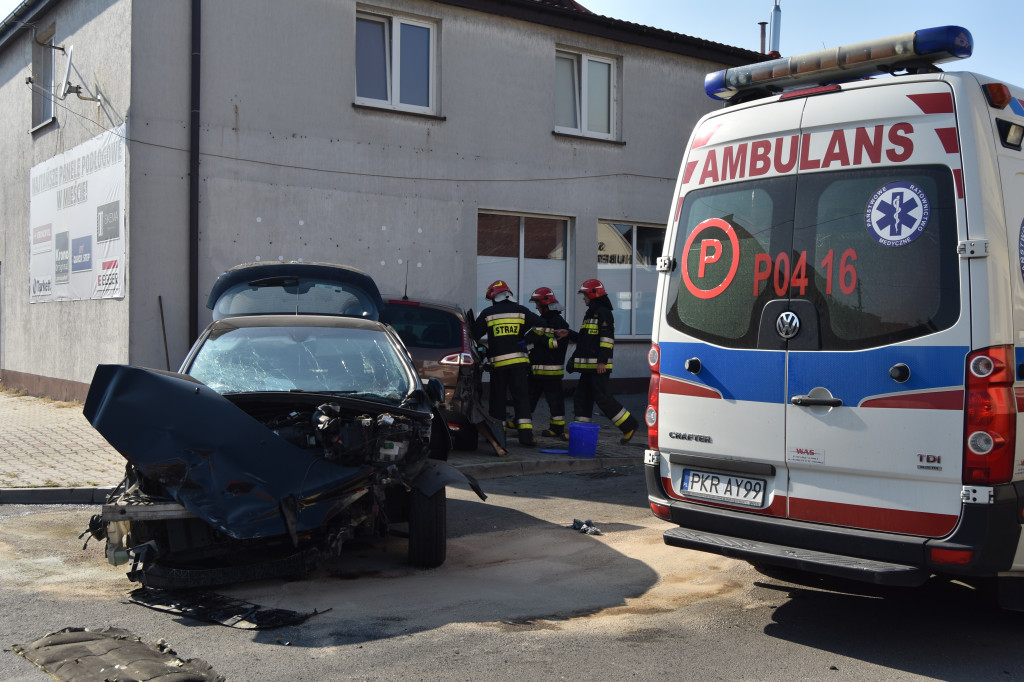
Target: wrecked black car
point(281, 438)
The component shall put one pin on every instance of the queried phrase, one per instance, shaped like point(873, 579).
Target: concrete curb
point(53, 495)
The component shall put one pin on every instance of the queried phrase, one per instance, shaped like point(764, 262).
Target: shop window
point(626, 259)
point(525, 251)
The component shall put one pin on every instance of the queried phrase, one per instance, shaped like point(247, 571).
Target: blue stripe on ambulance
point(758, 375)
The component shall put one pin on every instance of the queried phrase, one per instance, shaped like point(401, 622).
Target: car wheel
point(467, 438)
point(428, 528)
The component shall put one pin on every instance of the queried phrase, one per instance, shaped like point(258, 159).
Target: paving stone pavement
point(49, 453)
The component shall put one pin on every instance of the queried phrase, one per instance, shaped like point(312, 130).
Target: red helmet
point(544, 296)
point(593, 288)
point(496, 288)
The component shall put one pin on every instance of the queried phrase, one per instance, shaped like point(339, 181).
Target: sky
point(810, 25)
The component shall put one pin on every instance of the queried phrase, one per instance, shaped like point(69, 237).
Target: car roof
point(405, 300)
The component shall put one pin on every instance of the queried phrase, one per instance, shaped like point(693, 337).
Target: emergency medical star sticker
point(897, 214)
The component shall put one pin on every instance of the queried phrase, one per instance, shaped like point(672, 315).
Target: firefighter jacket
point(547, 357)
point(505, 324)
point(595, 341)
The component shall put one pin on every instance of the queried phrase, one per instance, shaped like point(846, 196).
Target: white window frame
point(43, 67)
point(393, 54)
point(581, 63)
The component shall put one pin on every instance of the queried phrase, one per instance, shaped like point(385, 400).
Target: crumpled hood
point(214, 459)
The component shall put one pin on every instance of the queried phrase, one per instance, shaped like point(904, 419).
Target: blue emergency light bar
point(886, 55)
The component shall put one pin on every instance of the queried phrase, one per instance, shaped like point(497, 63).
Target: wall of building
point(290, 169)
point(54, 347)
point(158, 125)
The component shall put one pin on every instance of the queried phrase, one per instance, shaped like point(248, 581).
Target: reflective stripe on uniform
point(505, 324)
point(590, 363)
point(622, 416)
point(511, 359)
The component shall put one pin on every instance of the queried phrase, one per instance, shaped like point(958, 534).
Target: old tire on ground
point(428, 528)
point(467, 439)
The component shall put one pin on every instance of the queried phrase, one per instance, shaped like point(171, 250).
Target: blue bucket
point(583, 439)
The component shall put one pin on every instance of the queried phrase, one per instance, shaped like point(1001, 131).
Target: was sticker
point(897, 213)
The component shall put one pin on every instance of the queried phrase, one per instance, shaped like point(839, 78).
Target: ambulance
point(838, 346)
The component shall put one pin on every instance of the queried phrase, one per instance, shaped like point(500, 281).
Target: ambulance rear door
point(875, 319)
point(722, 390)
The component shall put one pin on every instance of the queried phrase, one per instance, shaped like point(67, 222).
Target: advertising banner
point(77, 222)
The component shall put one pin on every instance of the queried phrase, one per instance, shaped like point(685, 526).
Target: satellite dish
point(65, 85)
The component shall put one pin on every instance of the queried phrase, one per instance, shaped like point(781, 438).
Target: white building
point(435, 144)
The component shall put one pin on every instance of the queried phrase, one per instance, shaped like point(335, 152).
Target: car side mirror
point(434, 389)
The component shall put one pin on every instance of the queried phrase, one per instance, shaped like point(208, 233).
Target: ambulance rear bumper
point(983, 543)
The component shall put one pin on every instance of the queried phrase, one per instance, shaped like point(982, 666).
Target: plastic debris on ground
point(82, 655)
point(587, 527)
point(217, 608)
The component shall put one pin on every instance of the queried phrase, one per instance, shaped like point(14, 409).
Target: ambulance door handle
point(808, 401)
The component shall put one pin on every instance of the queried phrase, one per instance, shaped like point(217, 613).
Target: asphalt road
point(521, 597)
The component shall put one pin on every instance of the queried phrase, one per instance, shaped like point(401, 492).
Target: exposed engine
point(348, 440)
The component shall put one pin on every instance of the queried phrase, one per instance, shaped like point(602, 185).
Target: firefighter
point(547, 361)
point(505, 323)
point(595, 343)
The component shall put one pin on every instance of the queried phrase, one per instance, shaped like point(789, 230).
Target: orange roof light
point(998, 94)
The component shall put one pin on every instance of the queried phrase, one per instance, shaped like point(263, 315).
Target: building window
point(525, 251)
point(42, 78)
point(585, 95)
point(395, 60)
point(626, 264)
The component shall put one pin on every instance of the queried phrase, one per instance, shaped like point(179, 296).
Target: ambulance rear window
point(874, 251)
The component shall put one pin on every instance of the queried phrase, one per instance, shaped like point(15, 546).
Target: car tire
point(428, 528)
point(467, 438)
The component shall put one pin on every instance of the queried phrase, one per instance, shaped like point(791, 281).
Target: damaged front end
point(248, 485)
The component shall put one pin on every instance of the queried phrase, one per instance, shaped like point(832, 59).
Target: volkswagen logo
point(788, 325)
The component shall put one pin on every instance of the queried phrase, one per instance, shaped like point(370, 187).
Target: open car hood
point(214, 459)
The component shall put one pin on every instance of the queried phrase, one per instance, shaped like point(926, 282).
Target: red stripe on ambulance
point(934, 102)
point(933, 400)
point(672, 386)
point(949, 140)
point(872, 518)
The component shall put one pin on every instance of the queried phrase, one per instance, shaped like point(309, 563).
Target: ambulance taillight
point(651, 413)
point(990, 424)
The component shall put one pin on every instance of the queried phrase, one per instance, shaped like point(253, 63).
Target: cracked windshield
point(360, 362)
